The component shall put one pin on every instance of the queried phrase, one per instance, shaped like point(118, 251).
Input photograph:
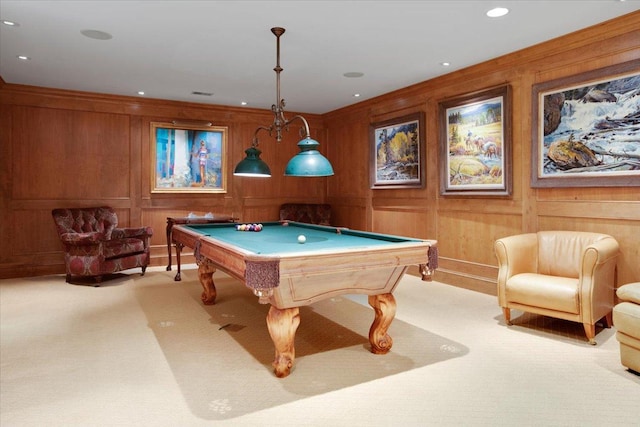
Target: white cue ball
point(301, 238)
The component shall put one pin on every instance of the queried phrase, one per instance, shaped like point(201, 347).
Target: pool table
point(288, 274)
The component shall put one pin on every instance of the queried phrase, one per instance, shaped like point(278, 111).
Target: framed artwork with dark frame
point(398, 152)
point(586, 129)
point(475, 144)
point(188, 158)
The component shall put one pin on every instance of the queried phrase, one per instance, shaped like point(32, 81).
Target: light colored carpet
point(145, 351)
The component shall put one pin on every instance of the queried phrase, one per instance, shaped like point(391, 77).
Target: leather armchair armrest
point(516, 254)
point(82, 239)
point(599, 260)
point(600, 252)
point(596, 277)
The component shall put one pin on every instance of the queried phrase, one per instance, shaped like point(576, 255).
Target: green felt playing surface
point(276, 238)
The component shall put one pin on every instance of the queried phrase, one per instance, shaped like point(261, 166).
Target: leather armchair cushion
point(626, 317)
point(629, 292)
point(560, 253)
point(541, 290)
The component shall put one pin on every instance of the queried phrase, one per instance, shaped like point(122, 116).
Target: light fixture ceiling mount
point(308, 162)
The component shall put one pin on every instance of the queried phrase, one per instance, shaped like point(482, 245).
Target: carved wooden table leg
point(205, 273)
point(282, 324)
point(179, 247)
point(385, 310)
point(169, 228)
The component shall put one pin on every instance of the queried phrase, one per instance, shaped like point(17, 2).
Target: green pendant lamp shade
point(252, 165)
point(308, 162)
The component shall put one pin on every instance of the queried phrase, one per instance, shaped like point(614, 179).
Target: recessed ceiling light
point(445, 64)
point(24, 57)
point(497, 12)
point(243, 103)
point(353, 74)
point(10, 23)
point(96, 35)
point(140, 92)
point(197, 92)
point(356, 95)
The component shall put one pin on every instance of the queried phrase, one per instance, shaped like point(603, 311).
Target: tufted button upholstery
point(94, 245)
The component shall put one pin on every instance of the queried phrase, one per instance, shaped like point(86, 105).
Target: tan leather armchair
point(563, 274)
point(626, 319)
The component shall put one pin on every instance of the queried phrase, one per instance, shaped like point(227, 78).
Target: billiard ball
point(301, 238)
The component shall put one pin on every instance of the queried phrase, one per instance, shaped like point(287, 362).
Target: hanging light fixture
point(308, 162)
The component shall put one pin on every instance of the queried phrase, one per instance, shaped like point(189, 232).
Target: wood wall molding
point(616, 210)
point(467, 227)
point(70, 149)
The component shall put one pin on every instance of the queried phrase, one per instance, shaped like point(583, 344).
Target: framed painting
point(398, 152)
point(586, 129)
point(188, 159)
point(475, 144)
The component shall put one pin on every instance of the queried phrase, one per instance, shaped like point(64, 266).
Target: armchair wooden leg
point(608, 320)
point(590, 330)
point(507, 315)
point(144, 269)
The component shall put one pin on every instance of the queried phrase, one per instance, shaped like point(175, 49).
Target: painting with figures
point(188, 158)
point(475, 144)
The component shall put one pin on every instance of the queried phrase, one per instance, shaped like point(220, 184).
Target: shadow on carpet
point(221, 355)
point(553, 328)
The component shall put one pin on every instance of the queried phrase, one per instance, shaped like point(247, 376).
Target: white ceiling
point(168, 49)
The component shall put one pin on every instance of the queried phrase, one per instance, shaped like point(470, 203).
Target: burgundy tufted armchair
point(94, 246)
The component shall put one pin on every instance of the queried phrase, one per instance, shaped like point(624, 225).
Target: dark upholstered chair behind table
point(95, 246)
point(309, 213)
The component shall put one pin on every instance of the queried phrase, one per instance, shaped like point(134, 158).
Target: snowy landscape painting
point(588, 133)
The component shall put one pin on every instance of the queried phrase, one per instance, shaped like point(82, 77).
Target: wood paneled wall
point(466, 227)
point(62, 148)
point(68, 149)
